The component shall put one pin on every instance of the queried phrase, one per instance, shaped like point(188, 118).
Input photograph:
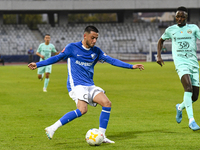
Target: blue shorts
point(192, 71)
point(45, 69)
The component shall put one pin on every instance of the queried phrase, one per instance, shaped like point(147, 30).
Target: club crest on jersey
point(189, 31)
point(63, 50)
point(93, 56)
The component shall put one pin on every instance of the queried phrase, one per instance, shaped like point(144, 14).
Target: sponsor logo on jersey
point(185, 55)
point(93, 55)
point(181, 32)
point(83, 63)
point(184, 51)
point(189, 31)
point(184, 38)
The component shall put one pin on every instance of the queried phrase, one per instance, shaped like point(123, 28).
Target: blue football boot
point(178, 114)
point(193, 125)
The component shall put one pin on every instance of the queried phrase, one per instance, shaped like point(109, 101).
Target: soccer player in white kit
point(81, 59)
point(184, 48)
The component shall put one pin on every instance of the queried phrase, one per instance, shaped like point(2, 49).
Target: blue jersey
point(81, 63)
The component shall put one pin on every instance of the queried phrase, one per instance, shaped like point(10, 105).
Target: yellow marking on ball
point(93, 136)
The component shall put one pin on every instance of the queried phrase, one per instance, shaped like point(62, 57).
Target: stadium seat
point(113, 37)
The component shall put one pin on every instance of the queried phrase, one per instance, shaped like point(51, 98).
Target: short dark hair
point(182, 8)
point(47, 34)
point(88, 29)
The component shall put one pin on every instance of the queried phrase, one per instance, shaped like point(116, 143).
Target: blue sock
point(104, 117)
point(70, 116)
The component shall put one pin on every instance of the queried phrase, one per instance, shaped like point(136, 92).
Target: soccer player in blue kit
point(184, 48)
point(81, 59)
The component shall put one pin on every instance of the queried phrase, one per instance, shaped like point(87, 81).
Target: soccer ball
point(94, 137)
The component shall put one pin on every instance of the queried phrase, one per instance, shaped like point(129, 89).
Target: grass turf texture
point(142, 116)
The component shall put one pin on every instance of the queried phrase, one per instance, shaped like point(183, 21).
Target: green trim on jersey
point(46, 50)
point(183, 43)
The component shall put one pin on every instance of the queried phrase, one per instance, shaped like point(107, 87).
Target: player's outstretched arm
point(32, 66)
point(139, 66)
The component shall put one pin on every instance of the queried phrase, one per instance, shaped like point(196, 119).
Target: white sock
point(102, 130)
point(179, 108)
point(56, 125)
point(190, 120)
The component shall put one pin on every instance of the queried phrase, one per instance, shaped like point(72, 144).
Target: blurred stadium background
point(129, 29)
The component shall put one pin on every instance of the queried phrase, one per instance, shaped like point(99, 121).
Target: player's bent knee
point(82, 106)
point(107, 104)
point(47, 76)
point(83, 111)
point(188, 89)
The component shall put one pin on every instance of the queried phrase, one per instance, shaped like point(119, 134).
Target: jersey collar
point(85, 48)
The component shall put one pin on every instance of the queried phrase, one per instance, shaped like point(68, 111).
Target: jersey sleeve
point(166, 35)
point(50, 60)
point(65, 53)
point(115, 62)
point(39, 48)
point(197, 32)
point(53, 49)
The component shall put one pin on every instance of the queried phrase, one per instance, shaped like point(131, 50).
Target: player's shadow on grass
point(134, 134)
point(197, 131)
point(114, 136)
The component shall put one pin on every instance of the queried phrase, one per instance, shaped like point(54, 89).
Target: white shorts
point(85, 93)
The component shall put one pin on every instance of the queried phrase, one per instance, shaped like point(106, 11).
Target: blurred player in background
point(44, 52)
point(1, 60)
point(81, 59)
point(184, 48)
point(30, 55)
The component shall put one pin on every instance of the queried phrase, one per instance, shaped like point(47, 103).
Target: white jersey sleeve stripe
point(70, 73)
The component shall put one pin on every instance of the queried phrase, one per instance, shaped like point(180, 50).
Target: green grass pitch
point(142, 116)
